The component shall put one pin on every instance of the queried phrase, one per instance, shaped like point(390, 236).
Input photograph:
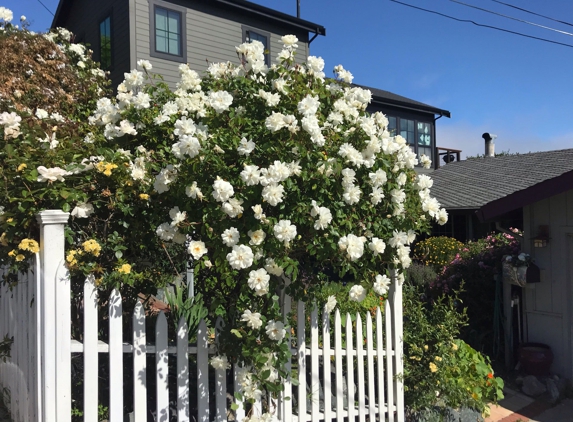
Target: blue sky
point(518, 88)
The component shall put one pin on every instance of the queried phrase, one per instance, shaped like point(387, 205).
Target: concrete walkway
point(517, 407)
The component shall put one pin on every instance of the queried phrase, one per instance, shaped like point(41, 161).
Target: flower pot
point(535, 358)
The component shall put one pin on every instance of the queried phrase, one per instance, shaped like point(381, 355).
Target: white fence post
point(395, 298)
point(55, 309)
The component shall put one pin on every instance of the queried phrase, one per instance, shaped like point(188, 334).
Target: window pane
point(392, 125)
point(161, 43)
point(174, 46)
point(424, 134)
point(174, 22)
point(160, 19)
point(105, 43)
point(407, 130)
point(167, 31)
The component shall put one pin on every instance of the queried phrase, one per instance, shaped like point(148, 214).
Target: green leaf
point(64, 194)
point(237, 333)
point(118, 254)
point(234, 406)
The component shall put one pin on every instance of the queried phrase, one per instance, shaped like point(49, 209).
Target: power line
point(533, 13)
point(482, 25)
point(45, 7)
point(512, 18)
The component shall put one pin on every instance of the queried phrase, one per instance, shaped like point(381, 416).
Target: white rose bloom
point(425, 161)
point(193, 191)
point(398, 239)
point(241, 257)
point(41, 113)
point(51, 174)
point(377, 246)
point(6, 14)
point(376, 195)
point(220, 362)
point(289, 41)
point(275, 122)
point(316, 64)
point(83, 210)
point(273, 194)
point(257, 237)
point(166, 232)
point(309, 105)
point(145, 64)
point(222, 190)
point(398, 196)
point(273, 268)
point(187, 145)
point(411, 236)
point(284, 231)
point(246, 147)
point(353, 245)
point(251, 175)
point(324, 218)
point(220, 100)
point(177, 216)
point(351, 195)
point(401, 179)
point(253, 319)
point(197, 249)
point(230, 237)
point(278, 172)
point(357, 293)
point(259, 281)
point(431, 206)
point(442, 217)
point(270, 98)
point(233, 207)
point(381, 284)
point(424, 182)
point(258, 211)
point(276, 330)
point(330, 304)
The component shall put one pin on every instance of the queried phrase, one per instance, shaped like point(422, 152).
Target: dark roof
point(496, 185)
point(379, 96)
point(239, 5)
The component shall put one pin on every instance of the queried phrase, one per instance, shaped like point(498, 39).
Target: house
point(535, 189)
point(168, 33)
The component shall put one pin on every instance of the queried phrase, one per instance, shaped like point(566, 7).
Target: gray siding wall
point(212, 36)
point(548, 304)
point(83, 20)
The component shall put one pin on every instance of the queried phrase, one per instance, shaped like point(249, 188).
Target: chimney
point(489, 145)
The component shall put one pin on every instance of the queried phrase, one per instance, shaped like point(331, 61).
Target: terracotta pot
point(535, 358)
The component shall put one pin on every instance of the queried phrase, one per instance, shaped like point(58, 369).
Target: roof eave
point(384, 101)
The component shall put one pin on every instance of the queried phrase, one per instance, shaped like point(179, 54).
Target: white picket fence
point(362, 368)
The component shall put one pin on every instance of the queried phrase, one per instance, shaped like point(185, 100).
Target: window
point(167, 31)
point(419, 135)
point(250, 35)
point(105, 43)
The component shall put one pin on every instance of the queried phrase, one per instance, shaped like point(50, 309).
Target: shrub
point(420, 275)
point(437, 251)
point(439, 368)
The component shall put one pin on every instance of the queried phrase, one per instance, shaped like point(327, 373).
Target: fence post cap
point(53, 217)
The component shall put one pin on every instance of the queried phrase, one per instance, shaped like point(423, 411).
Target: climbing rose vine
point(263, 178)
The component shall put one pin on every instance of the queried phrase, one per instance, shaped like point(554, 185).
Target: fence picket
point(162, 368)
point(90, 351)
point(389, 366)
point(380, 364)
point(314, 368)
point(326, 365)
point(115, 357)
point(221, 395)
point(240, 412)
point(182, 371)
point(396, 292)
point(286, 398)
point(370, 366)
point(338, 368)
point(301, 357)
point(139, 365)
point(360, 364)
point(202, 373)
point(350, 368)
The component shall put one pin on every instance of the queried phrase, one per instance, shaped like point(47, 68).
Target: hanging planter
point(520, 270)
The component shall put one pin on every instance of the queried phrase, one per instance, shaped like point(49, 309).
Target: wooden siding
point(548, 303)
point(211, 38)
point(83, 20)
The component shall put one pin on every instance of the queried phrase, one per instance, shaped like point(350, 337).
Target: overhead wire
point(45, 7)
point(533, 13)
point(511, 17)
point(482, 25)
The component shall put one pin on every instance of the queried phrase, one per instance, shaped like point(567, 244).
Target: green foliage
point(439, 368)
point(437, 251)
point(192, 309)
point(420, 275)
point(341, 292)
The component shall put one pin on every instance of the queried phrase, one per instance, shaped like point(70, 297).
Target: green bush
point(420, 275)
point(440, 369)
point(437, 251)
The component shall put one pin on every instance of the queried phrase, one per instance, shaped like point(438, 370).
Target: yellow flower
point(426, 347)
point(12, 252)
point(29, 245)
point(438, 359)
point(105, 168)
point(92, 247)
point(20, 257)
point(454, 347)
point(433, 367)
point(71, 257)
point(144, 196)
point(124, 269)
point(3, 240)
point(10, 220)
point(22, 166)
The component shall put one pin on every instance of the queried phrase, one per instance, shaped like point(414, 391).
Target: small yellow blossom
point(433, 367)
point(425, 347)
point(92, 247)
point(9, 220)
point(144, 196)
point(20, 257)
point(29, 245)
point(71, 257)
point(454, 347)
point(3, 240)
point(124, 269)
point(12, 252)
point(105, 168)
point(22, 166)
point(438, 359)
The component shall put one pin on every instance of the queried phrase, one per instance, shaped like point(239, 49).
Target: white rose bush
point(262, 178)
